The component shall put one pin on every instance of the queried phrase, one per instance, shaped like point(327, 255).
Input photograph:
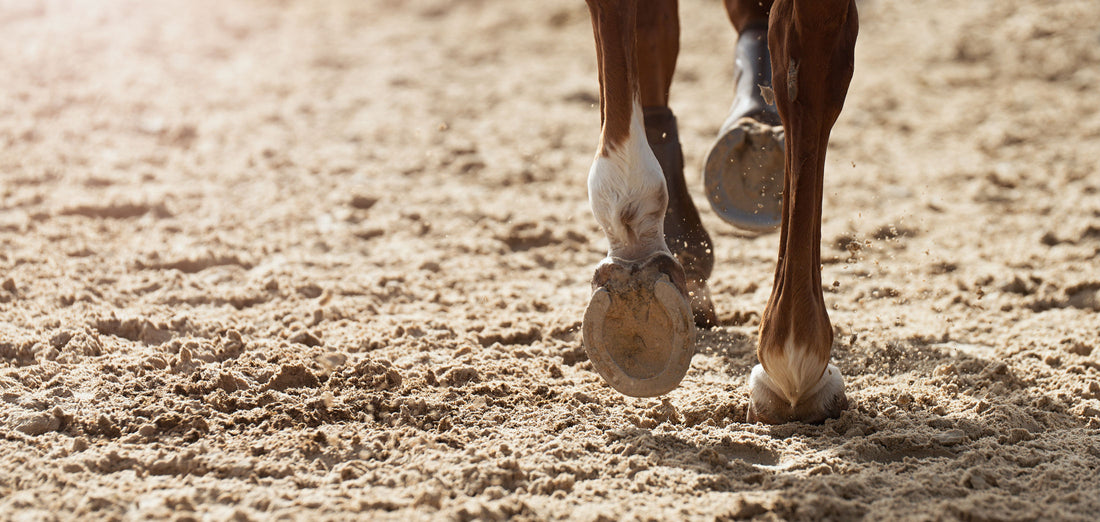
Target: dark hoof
point(638, 330)
point(743, 175)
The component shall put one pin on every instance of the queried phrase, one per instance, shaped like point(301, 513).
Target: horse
point(795, 60)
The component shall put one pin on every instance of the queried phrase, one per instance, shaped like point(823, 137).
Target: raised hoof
point(743, 175)
point(825, 401)
point(638, 330)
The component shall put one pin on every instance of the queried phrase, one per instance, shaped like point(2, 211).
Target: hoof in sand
point(767, 405)
point(638, 329)
point(743, 175)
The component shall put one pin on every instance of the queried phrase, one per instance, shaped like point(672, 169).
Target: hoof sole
point(638, 329)
point(743, 176)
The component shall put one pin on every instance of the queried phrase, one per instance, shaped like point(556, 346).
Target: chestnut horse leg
point(812, 44)
point(638, 329)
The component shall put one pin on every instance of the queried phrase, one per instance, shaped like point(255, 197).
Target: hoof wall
point(638, 329)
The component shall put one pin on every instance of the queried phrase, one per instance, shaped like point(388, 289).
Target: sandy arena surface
point(328, 259)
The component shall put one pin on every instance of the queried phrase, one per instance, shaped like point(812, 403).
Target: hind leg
point(658, 42)
point(743, 174)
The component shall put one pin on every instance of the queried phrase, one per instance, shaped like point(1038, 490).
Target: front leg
point(638, 329)
point(812, 44)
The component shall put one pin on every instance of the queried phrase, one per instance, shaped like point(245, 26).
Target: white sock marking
point(627, 193)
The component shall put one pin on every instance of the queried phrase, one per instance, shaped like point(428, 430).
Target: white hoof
point(767, 404)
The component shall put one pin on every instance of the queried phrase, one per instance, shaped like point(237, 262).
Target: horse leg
point(638, 329)
point(743, 170)
point(812, 44)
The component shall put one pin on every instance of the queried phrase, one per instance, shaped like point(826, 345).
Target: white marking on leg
point(627, 193)
point(795, 371)
point(764, 389)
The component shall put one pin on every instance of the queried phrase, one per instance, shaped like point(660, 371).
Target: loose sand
point(324, 259)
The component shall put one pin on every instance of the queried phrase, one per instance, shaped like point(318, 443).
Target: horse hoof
point(825, 401)
point(743, 175)
point(638, 329)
